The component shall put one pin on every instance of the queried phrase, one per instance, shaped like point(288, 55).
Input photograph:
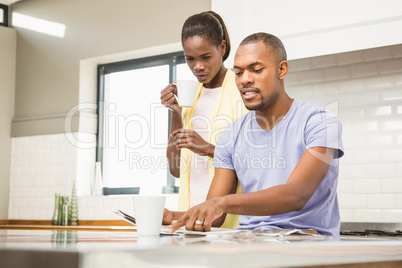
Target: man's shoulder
point(313, 112)
point(234, 129)
point(239, 122)
point(305, 108)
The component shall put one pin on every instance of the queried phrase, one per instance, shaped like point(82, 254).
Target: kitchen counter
point(82, 249)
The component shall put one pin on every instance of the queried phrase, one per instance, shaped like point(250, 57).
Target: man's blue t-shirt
point(264, 159)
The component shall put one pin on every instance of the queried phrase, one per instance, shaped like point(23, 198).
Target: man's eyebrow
point(248, 66)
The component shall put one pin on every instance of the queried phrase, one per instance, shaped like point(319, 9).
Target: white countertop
point(124, 249)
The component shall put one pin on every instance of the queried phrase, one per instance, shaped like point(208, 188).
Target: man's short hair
point(270, 41)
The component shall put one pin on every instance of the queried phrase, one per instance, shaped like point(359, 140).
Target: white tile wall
point(40, 167)
point(44, 165)
point(366, 87)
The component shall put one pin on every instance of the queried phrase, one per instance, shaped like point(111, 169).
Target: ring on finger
point(197, 222)
point(178, 141)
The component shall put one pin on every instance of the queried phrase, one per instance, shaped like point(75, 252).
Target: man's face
point(257, 76)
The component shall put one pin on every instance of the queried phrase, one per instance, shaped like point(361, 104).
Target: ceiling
point(8, 2)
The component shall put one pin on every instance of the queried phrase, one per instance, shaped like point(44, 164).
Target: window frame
point(5, 15)
point(171, 59)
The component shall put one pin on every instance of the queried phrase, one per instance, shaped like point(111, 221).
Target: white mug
point(186, 91)
point(148, 210)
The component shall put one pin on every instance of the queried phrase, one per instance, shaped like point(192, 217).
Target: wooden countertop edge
point(83, 225)
point(69, 228)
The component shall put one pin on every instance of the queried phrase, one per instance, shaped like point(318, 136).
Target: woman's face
point(204, 59)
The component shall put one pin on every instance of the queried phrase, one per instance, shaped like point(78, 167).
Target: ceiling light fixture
point(38, 25)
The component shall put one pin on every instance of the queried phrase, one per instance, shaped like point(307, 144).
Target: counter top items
point(61, 209)
point(124, 216)
point(73, 209)
point(149, 213)
point(372, 230)
point(55, 218)
point(65, 212)
point(164, 228)
point(270, 233)
point(97, 181)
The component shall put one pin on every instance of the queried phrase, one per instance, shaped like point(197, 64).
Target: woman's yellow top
point(228, 107)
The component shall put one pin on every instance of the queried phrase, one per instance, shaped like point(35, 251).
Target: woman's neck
point(217, 81)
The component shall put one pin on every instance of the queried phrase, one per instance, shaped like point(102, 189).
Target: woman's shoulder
point(230, 75)
point(230, 83)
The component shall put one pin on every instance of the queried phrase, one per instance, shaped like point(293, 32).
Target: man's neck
point(271, 116)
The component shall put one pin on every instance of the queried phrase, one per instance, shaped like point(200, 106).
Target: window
point(134, 126)
point(3, 15)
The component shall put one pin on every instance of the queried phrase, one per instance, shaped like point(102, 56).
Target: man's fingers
point(207, 225)
point(176, 225)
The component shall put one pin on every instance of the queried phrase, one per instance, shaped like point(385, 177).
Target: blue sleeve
point(324, 129)
point(223, 150)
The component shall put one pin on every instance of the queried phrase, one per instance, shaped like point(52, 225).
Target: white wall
point(7, 84)
point(367, 85)
point(55, 74)
point(312, 28)
point(43, 165)
point(364, 87)
point(48, 67)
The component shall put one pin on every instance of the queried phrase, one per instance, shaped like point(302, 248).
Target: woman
point(206, 46)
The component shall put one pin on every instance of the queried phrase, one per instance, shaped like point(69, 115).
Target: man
point(284, 153)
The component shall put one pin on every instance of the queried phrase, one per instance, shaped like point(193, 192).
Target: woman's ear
point(283, 69)
point(222, 47)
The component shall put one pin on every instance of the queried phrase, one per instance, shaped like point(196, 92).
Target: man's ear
point(283, 69)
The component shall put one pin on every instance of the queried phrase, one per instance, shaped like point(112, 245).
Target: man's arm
point(304, 180)
point(224, 183)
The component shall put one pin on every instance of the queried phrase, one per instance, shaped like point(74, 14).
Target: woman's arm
point(172, 152)
point(168, 99)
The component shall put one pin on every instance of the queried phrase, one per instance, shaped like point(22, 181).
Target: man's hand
point(167, 217)
point(200, 217)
